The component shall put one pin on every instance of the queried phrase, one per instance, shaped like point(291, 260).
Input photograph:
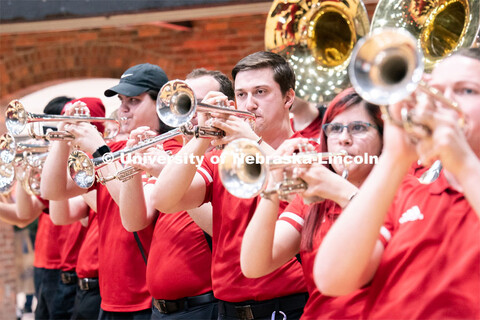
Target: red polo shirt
point(320, 306)
point(230, 219)
point(49, 241)
point(179, 262)
point(87, 263)
point(430, 268)
point(122, 270)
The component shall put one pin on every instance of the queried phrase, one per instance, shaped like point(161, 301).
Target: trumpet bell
point(386, 66)
point(81, 169)
point(243, 178)
point(317, 38)
point(176, 103)
point(15, 117)
point(7, 148)
point(440, 26)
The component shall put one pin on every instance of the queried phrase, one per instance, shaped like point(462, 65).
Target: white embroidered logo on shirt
point(411, 214)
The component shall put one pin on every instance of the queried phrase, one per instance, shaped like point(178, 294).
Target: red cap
point(96, 107)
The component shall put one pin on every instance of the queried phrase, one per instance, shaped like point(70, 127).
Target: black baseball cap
point(138, 79)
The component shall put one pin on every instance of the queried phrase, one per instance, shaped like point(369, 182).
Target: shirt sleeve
point(206, 171)
point(294, 213)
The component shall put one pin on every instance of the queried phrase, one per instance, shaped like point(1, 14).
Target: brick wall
point(7, 272)
point(29, 59)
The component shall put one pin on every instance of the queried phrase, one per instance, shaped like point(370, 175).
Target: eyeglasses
point(353, 128)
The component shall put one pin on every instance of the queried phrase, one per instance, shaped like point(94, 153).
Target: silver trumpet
point(177, 105)
point(23, 162)
point(244, 169)
point(17, 119)
point(83, 170)
point(386, 68)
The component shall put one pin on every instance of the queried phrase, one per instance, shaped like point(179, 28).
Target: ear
point(289, 97)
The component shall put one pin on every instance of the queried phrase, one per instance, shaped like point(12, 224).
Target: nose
point(449, 93)
point(345, 138)
point(250, 103)
point(124, 108)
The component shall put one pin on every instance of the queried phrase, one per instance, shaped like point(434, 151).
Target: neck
point(277, 136)
point(303, 114)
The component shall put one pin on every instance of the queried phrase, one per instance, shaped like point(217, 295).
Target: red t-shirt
point(320, 306)
point(71, 247)
point(122, 270)
point(49, 242)
point(87, 263)
point(312, 130)
point(430, 268)
point(230, 219)
point(179, 262)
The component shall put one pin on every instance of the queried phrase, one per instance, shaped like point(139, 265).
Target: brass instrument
point(317, 38)
point(10, 151)
point(177, 105)
point(83, 170)
point(386, 68)
point(26, 166)
point(244, 169)
point(17, 118)
point(440, 27)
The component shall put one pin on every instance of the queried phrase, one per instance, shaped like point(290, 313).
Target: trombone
point(177, 105)
point(17, 118)
point(244, 169)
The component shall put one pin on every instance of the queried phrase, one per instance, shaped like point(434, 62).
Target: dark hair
point(226, 86)
point(153, 93)
point(282, 72)
point(473, 53)
point(55, 106)
point(343, 101)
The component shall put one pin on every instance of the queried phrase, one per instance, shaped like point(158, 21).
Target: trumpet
point(244, 169)
point(177, 105)
point(17, 118)
point(83, 170)
point(27, 171)
point(10, 151)
point(386, 68)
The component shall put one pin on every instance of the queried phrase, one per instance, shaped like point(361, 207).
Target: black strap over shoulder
point(139, 243)
point(209, 239)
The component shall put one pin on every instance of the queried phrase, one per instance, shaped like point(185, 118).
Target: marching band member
point(179, 262)
point(350, 124)
point(264, 84)
point(426, 263)
point(121, 262)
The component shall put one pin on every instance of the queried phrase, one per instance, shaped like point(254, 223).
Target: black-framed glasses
point(353, 128)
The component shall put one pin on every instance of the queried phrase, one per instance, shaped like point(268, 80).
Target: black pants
point(47, 282)
point(87, 304)
point(289, 307)
point(136, 315)
point(207, 311)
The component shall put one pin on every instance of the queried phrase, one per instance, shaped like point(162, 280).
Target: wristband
point(101, 151)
